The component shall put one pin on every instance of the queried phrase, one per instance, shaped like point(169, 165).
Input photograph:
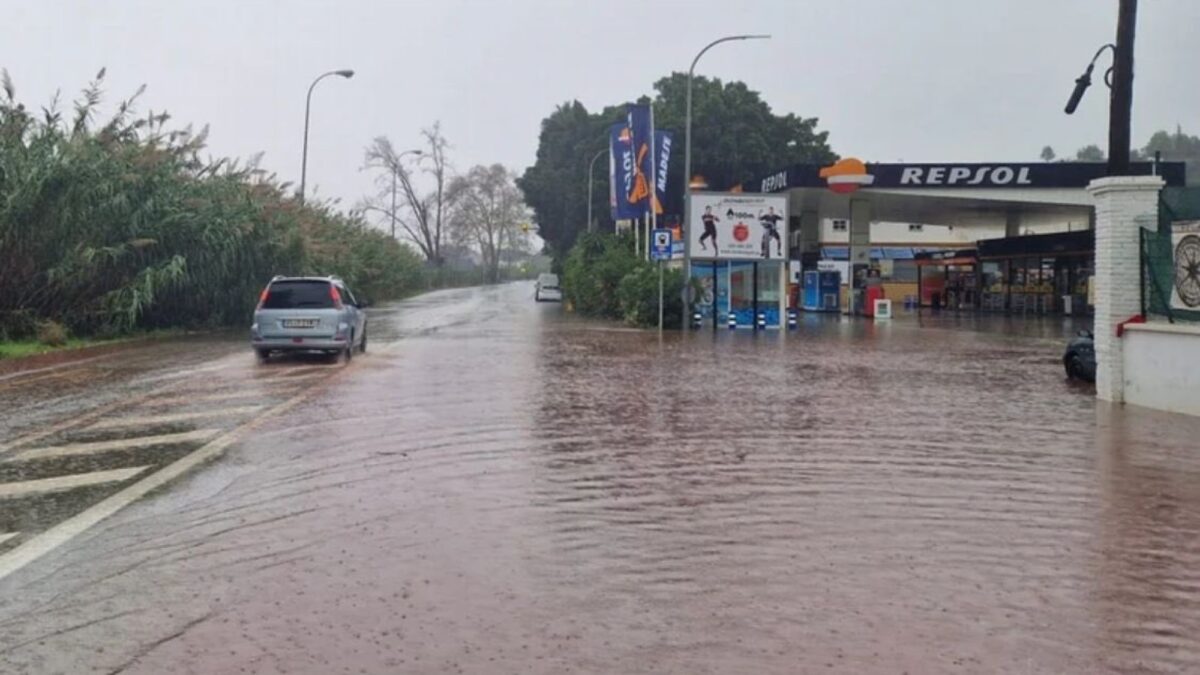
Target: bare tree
point(487, 214)
point(420, 215)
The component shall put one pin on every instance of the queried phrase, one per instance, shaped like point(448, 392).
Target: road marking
point(205, 398)
point(94, 414)
point(48, 540)
point(72, 449)
point(149, 420)
point(8, 535)
point(70, 482)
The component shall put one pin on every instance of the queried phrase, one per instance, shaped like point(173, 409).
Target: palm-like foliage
point(123, 225)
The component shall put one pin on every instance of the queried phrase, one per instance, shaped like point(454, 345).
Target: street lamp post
point(687, 166)
point(346, 73)
point(394, 171)
point(591, 166)
point(1119, 79)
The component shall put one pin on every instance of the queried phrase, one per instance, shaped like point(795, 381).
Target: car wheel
point(362, 346)
point(1074, 367)
point(262, 355)
point(349, 351)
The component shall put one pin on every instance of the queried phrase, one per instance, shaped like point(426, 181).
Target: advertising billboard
point(738, 226)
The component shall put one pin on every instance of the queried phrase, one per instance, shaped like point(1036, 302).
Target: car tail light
point(262, 299)
point(337, 297)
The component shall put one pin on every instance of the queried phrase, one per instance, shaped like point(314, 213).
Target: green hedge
point(603, 278)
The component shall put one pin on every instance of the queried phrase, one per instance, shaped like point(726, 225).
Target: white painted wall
point(1162, 366)
point(969, 228)
point(1123, 203)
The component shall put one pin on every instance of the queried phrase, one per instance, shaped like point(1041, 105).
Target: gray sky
point(920, 80)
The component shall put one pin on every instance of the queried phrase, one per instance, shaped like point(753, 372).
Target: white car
point(547, 289)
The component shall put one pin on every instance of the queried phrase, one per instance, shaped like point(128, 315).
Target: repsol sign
point(960, 176)
point(990, 176)
point(1007, 175)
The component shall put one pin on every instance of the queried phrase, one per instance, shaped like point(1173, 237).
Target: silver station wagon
point(308, 314)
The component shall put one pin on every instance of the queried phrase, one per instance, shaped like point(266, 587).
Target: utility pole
point(1121, 102)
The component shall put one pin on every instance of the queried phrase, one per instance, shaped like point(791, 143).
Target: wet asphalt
point(496, 487)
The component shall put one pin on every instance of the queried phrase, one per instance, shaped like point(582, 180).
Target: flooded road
point(498, 488)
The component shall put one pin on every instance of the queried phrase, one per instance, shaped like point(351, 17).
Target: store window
point(904, 271)
point(992, 276)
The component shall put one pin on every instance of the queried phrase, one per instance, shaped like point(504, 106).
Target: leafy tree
point(735, 137)
point(1090, 153)
point(1048, 154)
point(1177, 147)
point(555, 187)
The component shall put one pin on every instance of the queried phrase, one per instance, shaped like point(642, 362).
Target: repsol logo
point(965, 175)
point(774, 183)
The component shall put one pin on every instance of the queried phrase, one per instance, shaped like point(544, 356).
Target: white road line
point(8, 535)
point(205, 398)
point(148, 420)
point(95, 447)
point(70, 482)
point(48, 540)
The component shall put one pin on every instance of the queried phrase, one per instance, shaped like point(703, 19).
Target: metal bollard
point(732, 321)
point(696, 319)
point(762, 321)
point(793, 321)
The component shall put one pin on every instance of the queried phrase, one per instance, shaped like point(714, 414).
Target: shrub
point(17, 325)
point(593, 271)
point(51, 333)
point(638, 294)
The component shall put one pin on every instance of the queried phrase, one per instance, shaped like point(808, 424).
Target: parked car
point(308, 314)
point(1080, 357)
point(547, 288)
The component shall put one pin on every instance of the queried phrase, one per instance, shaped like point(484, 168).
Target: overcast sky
point(920, 80)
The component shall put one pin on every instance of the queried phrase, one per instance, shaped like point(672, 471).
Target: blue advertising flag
point(622, 170)
point(641, 125)
point(662, 160)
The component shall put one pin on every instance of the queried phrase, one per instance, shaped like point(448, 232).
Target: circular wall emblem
point(741, 232)
point(1187, 270)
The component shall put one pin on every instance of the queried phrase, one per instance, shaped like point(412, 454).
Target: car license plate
point(300, 323)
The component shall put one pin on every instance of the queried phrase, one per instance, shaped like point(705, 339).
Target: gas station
point(1012, 237)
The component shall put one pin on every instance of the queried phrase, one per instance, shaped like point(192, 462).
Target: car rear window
point(548, 280)
point(298, 295)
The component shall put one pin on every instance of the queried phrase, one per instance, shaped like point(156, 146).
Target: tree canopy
point(735, 137)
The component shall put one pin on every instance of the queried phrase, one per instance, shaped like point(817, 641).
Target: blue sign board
point(660, 244)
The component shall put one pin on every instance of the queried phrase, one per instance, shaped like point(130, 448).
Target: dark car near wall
point(1079, 360)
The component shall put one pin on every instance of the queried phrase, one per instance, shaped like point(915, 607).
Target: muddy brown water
point(498, 488)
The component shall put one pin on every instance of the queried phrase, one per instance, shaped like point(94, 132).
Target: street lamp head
point(1081, 84)
point(347, 73)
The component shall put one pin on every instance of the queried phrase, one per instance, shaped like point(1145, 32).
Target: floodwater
point(499, 488)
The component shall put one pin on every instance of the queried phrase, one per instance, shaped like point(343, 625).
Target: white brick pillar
point(1124, 204)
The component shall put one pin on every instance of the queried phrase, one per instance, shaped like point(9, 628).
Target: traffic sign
point(660, 248)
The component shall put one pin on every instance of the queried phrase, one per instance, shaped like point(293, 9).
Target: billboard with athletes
point(738, 226)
